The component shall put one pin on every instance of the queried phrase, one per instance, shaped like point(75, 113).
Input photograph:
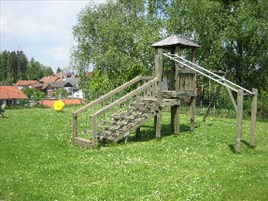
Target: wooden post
point(171, 87)
point(215, 95)
point(138, 133)
point(232, 98)
point(192, 113)
point(158, 73)
point(75, 125)
point(193, 98)
point(94, 129)
point(239, 119)
point(177, 89)
point(253, 117)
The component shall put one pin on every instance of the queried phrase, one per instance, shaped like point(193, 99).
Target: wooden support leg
point(192, 113)
point(172, 118)
point(239, 119)
point(177, 120)
point(253, 117)
point(215, 95)
point(157, 124)
point(75, 125)
point(138, 133)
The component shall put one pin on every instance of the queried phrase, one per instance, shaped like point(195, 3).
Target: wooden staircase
point(117, 118)
point(126, 122)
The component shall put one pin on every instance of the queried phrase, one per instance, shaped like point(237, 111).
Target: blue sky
point(42, 29)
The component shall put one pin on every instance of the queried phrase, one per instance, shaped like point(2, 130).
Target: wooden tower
point(181, 81)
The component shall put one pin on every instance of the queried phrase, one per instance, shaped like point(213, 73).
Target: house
point(22, 84)
point(50, 88)
point(78, 94)
point(11, 95)
point(49, 79)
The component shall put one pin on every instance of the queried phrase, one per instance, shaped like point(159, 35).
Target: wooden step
point(87, 143)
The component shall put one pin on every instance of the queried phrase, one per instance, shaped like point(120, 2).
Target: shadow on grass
point(232, 146)
point(147, 133)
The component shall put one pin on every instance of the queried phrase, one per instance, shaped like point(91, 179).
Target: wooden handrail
point(108, 95)
point(126, 97)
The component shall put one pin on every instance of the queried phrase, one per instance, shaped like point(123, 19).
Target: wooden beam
point(192, 113)
point(172, 86)
point(75, 134)
point(108, 95)
point(253, 117)
point(193, 98)
point(126, 97)
point(239, 119)
point(215, 95)
point(232, 98)
point(175, 94)
point(177, 89)
point(94, 129)
point(170, 102)
point(83, 142)
point(158, 73)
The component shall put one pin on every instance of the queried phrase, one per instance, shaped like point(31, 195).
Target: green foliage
point(263, 104)
point(47, 71)
point(15, 66)
point(34, 94)
point(99, 85)
point(58, 70)
point(34, 70)
point(39, 162)
point(61, 93)
point(115, 38)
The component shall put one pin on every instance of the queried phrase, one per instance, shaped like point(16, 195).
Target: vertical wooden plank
point(171, 87)
point(158, 70)
point(192, 113)
point(177, 89)
point(239, 119)
point(94, 129)
point(172, 117)
point(193, 98)
point(75, 134)
point(138, 133)
point(215, 95)
point(253, 117)
point(232, 98)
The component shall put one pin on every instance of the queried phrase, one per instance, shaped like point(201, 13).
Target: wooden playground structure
point(143, 98)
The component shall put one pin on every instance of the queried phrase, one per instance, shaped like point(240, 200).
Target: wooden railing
point(143, 90)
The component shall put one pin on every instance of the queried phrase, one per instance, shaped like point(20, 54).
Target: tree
point(22, 65)
point(12, 68)
point(34, 70)
point(3, 66)
point(116, 38)
point(58, 70)
point(46, 70)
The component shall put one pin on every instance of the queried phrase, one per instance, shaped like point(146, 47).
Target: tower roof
point(175, 40)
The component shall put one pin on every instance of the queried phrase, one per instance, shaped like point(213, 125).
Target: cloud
point(42, 29)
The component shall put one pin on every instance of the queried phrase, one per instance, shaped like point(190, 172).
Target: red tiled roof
point(25, 82)
point(49, 79)
point(11, 92)
point(49, 103)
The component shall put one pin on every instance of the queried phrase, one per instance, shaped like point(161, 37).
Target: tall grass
point(39, 162)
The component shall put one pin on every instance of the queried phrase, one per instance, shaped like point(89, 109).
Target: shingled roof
point(11, 92)
point(25, 82)
point(173, 41)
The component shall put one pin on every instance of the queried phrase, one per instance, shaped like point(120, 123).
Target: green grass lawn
point(39, 161)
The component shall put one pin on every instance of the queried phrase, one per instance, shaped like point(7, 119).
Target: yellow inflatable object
point(58, 105)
